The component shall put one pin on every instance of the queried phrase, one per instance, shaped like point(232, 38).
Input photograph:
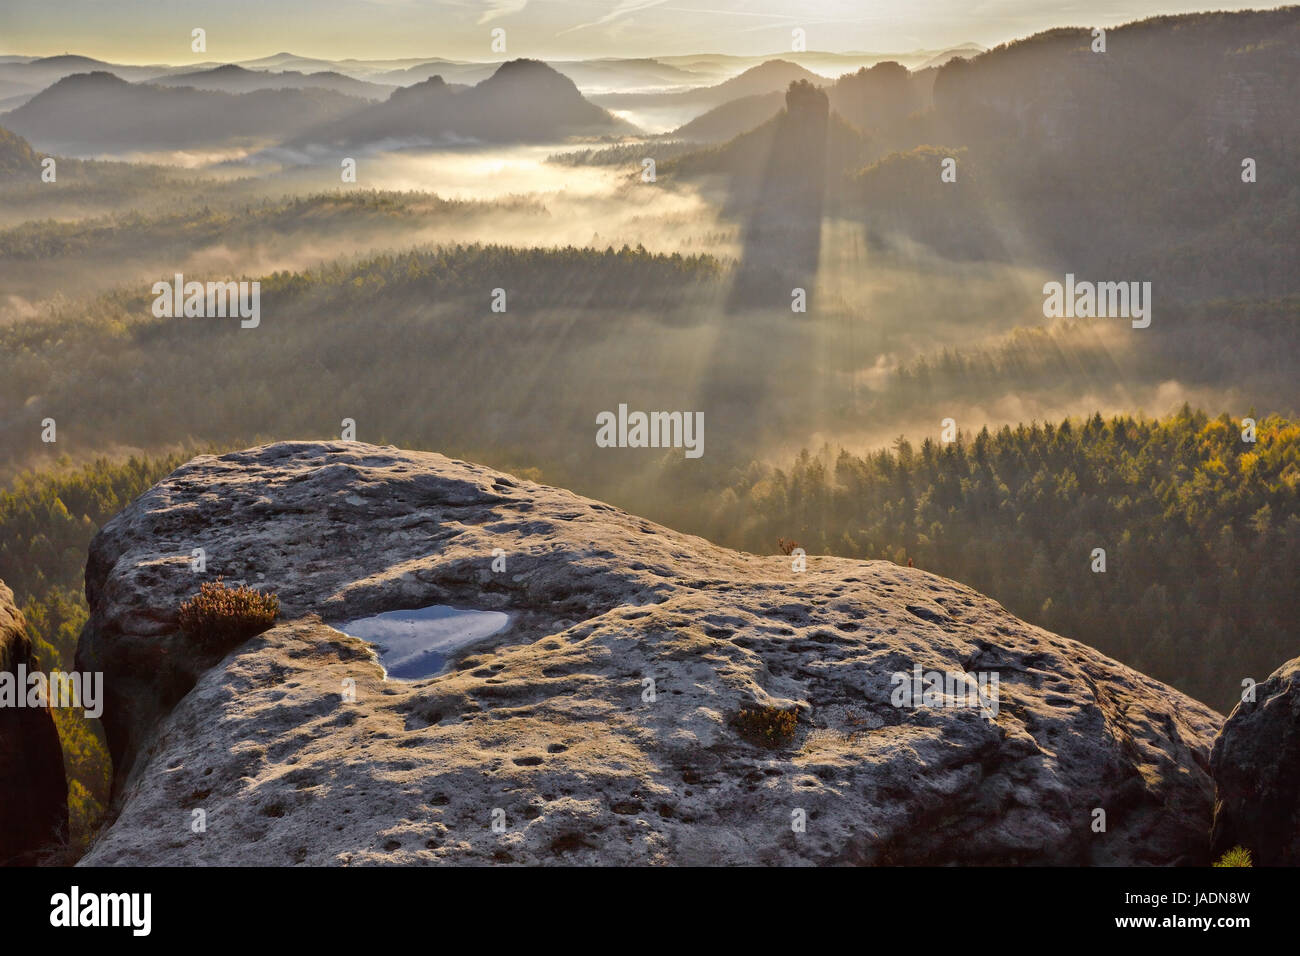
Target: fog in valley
point(834, 254)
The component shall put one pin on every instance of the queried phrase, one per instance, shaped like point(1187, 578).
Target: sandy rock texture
point(1256, 764)
point(600, 727)
point(33, 788)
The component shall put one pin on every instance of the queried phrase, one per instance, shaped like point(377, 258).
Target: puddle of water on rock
point(417, 643)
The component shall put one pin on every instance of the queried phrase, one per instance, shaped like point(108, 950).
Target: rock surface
point(1256, 765)
point(33, 789)
point(552, 730)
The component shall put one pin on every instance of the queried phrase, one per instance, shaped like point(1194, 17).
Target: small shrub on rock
point(220, 616)
point(1237, 856)
point(767, 726)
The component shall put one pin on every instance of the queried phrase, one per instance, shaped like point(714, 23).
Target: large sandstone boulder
point(33, 789)
point(602, 725)
point(1256, 766)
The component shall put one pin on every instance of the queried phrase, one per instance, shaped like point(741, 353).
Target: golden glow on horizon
point(139, 32)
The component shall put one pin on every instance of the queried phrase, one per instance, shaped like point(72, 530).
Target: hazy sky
point(144, 31)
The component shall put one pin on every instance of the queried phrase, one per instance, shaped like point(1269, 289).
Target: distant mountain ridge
point(731, 118)
point(233, 78)
point(771, 76)
point(523, 101)
point(90, 112)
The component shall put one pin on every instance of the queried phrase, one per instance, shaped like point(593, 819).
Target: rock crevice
point(1256, 766)
point(33, 788)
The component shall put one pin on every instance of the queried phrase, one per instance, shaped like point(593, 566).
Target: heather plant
point(767, 726)
point(1237, 856)
point(220, 616)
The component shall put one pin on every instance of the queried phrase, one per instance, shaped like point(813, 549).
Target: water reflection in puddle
point(417, 643)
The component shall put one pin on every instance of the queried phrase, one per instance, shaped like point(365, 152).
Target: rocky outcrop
point(33, 789)
point(601, 725)
point(1256, 766)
